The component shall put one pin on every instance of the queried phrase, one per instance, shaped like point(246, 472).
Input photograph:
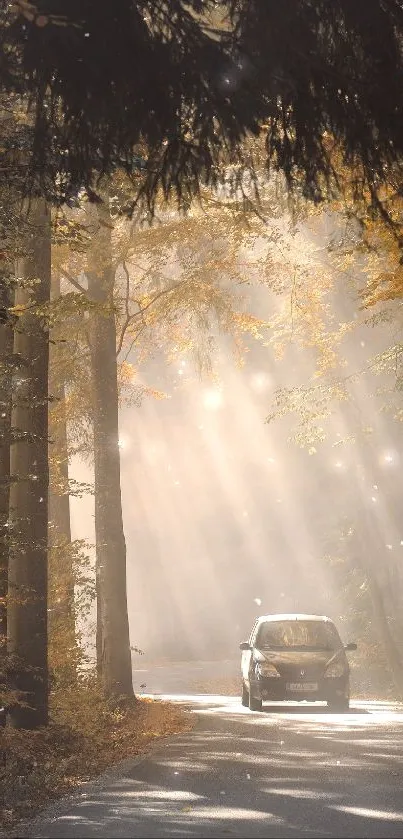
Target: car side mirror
point(350, 647)
point(245, 645)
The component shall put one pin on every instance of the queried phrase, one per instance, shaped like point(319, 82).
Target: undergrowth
point(86, 734)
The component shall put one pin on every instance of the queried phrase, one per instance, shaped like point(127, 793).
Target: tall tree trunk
point(113, 639)
point(27, 613)
point(98, 639)
point(59, 501)
point(6, 350)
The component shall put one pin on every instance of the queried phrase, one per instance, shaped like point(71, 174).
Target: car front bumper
point(327, 690)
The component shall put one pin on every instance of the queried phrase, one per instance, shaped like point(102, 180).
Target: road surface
point(291, 771)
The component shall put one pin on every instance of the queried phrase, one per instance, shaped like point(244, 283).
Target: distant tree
point(139, 286)
point(323, 388)
point(62, 552)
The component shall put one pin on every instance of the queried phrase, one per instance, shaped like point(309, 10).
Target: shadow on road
point(299, 772)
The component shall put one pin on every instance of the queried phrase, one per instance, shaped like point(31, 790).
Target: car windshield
point(298, 634)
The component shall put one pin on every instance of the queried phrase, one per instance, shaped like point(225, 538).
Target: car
point(295, 657)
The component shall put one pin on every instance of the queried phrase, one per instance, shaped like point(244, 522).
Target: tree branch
point(137, 335)
point(157, 296)
point(141, 309)
point(128, 315)
point(73, 281)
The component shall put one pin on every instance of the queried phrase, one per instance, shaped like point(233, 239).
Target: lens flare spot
point(213, 399)
point(260, 382)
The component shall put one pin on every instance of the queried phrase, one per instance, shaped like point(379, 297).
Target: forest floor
point(86, 736)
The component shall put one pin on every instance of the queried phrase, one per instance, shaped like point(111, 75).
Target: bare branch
point(132, 343)
point(161, 293)
point(73, 281)
point(128, 315)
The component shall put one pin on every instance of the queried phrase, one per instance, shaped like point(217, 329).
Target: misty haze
point(201, 537)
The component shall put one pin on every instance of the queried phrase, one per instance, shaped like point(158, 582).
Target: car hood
point(299, 657)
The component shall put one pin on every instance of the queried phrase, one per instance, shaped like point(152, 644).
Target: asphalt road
point(291, 771)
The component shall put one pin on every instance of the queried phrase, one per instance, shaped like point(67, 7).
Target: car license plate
point(303, 687)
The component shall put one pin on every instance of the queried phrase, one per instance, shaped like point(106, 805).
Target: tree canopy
point(171, 90)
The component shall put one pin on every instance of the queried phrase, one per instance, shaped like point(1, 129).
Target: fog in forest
point(226, 518)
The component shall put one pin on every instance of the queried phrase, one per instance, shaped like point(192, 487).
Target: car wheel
point(338, 705)
point(245, 696)
point(254, 704)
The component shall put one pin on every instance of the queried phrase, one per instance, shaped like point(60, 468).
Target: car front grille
point(301, 673)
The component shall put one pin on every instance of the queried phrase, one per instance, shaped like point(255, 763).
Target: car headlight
point(335, 670)
point(266, 669)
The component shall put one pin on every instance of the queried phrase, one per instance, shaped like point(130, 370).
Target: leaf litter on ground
point(86, 735)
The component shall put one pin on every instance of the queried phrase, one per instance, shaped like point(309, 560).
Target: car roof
point(294, 617)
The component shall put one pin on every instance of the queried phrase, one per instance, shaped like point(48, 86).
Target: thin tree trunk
point(98, 639)
point(113, 641)
point(59, 513)
point(27, 613)
point(6, 350)
point(59, 500)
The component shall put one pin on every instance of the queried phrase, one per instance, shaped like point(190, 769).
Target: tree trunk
point(6, 350)
point(98, 639)
point(27, 614)
point(59, 500)
point(113, 641)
